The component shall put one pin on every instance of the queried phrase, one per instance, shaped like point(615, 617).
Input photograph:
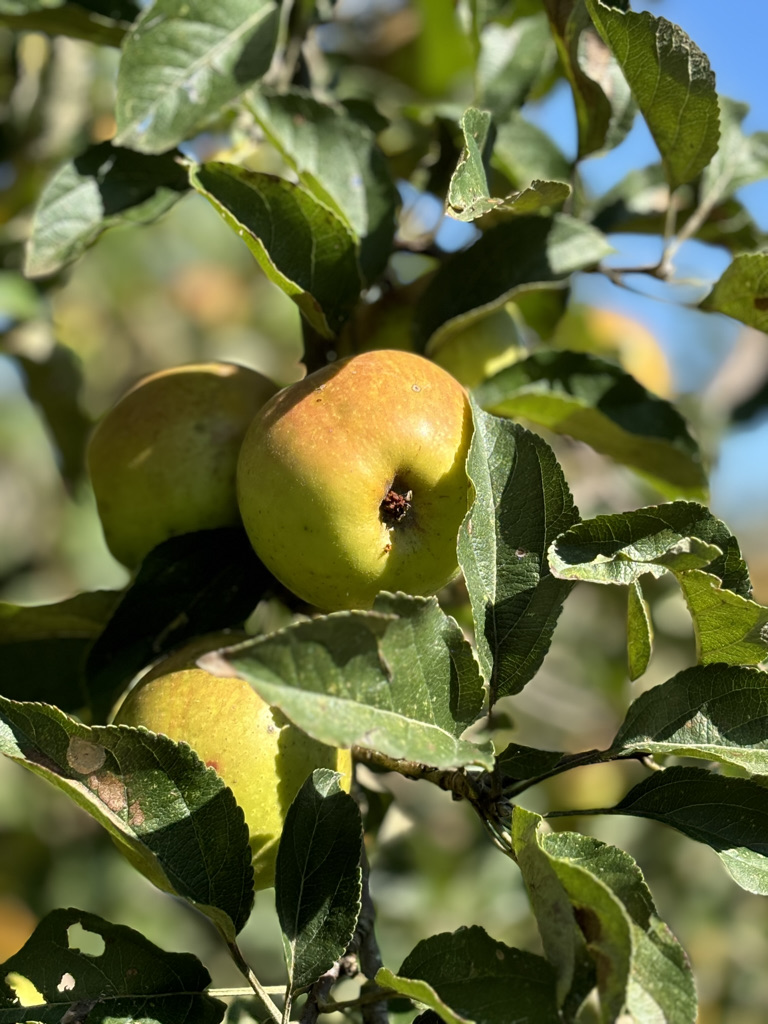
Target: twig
point(253, 981)
point(453, 780)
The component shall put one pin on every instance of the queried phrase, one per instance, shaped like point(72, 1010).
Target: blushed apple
point(162, 461)
point(353, 480)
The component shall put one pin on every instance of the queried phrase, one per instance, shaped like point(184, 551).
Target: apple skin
point(162, 461)
point(261, 756)
point(321, 456)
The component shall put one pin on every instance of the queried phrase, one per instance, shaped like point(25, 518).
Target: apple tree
point(315, 132)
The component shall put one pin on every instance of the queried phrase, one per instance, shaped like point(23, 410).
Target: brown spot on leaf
point(110, 790)
point(85, 757)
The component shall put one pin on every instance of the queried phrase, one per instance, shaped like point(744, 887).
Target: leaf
point(522, 251)
point(98, 22)
point(715, 712)
point(183, 60)
point(742, 291)
point(577, 880)
point(511, 60)
point(54, 385)
point(639, 631)
point(539, 196)
point(740, 159)
point(189, 585)
point(170, 815)
point(730, 815)
point(672, 83)
point(522, 502)
point(300, 244)
point(117, 975)
point(468, 976)
point(620, 548)
point(468, 196)
point(523, 152)
point(318, 878)
point(729, 628)
point(44, 647)
point(336, 159)
point(598, 403)
point(102, 187)
point(401, 680)
point(604, 107)
point(520, 762)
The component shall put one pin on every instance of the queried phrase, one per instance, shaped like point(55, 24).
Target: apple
point(162, 461)
point(475, 350)
point(256, 750)
point(353, 480)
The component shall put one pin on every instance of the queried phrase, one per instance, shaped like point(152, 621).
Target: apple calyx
point(395, 506)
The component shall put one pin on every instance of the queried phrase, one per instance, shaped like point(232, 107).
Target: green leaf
point(523, 251)
point(639, 632)
point(44, 647)
point(525, 153)
point(86, 968)
point(468, 976)
point(596, 402)
point(102, 187)
point(170, 815)
point(189, 585)
point(54, 384)
point(620, 548)
point(183, 60)
point(511, 60)
point(714, 712)
point(730, 815)
point(300, 244)
point(520, 762)
point(104, 22)
point(575, 880)
point(336, 158)
point(729, 628)
point(672, 83)
point(318, 878)
point(742, 291)
point(604, 107)
point(400, 679)
point(740, 159)
point(522, 502)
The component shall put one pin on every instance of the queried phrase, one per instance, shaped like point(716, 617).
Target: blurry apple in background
point(605, 332)
point(261, 756)
point(478, 348)
point(162, 460)
point(353, 480)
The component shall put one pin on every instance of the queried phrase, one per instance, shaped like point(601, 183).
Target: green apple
point(475, 350)
point(261, 756)
point(353, 480)
point(162, 461)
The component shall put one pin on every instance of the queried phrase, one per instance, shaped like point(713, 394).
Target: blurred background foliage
point(185, 289)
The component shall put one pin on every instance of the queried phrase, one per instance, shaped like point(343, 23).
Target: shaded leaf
point(742, 291)
point(715, 712)
point(170, 815)
point(183, 60)
point(336, 158)
point(104, 22)
point(301, 245)
point(118, 975)
point(522, 251)
point(318, 878)
point(468, 976)
point(102, 187)
point(189, 585)
point(520, 762)
point(400, 679)
point(729, 628)
point(44, 647)
point(604, 107)
point(672, 83)
point(596, 402)
point(511, 60)
point(621, 547)
point(730, 815)
point(521, 503)
point(639, 631)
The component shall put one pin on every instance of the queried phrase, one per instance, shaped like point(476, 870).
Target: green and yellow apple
point(162, 461)
point(261, 756)
point(353, 480)
point(475, 350)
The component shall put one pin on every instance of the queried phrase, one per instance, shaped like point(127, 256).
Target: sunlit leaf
point(742, 291)
point(639, 632)
point(729, 628)
point(511, 59)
